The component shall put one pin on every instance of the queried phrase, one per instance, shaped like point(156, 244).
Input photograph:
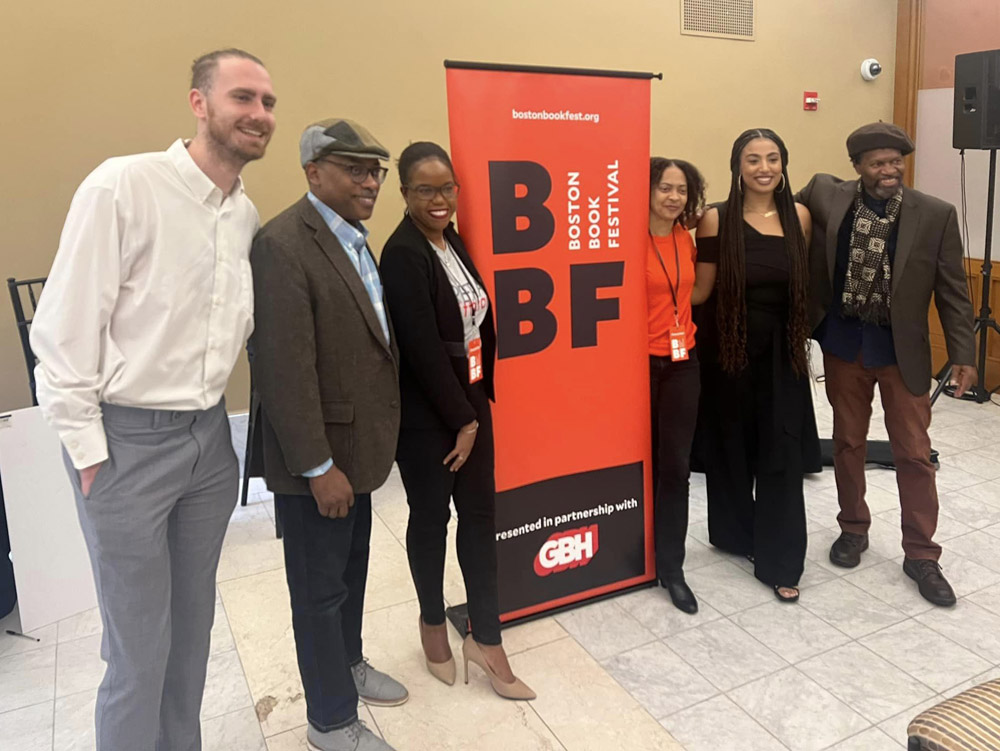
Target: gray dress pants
point(154, 522)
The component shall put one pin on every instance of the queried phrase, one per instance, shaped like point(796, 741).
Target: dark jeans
point(674, 388)
point(429, 488)
point(326, 565)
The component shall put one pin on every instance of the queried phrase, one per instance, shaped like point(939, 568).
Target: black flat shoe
point(681, 595)
point(783, 598)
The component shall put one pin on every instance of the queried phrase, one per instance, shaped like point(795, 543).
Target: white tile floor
point(845, 670)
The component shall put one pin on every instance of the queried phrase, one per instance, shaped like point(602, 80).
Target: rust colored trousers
point(850, 388)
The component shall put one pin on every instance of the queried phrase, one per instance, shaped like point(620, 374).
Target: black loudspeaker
point(977, 101)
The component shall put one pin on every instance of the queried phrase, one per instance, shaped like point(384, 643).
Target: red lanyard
point(677, 260)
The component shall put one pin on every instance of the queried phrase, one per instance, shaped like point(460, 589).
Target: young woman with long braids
point(758, 431)
point(677, 276)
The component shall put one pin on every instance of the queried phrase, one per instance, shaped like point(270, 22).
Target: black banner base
point(879, 452)
point(458, 615)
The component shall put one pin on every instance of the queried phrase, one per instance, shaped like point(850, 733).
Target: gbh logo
point(567, 549)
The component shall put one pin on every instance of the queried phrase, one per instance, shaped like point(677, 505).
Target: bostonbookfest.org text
point(587, 117)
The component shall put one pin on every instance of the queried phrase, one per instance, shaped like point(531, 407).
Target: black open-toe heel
point(783, 598)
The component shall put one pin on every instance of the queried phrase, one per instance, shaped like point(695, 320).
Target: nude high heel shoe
point(472, 653)
point(443, 671)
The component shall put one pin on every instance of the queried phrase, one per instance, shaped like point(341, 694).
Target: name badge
point(678, 344)
point(475, 360)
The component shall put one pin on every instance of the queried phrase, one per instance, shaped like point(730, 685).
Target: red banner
point(554, 167)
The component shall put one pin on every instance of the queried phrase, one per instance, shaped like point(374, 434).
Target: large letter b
point(512, 311)
point(506, 207)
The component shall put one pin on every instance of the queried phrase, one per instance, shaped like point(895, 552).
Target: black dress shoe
point(931, 582)
point(846, 551)
point(680, 594)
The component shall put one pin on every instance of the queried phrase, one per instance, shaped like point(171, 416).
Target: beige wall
point(84, 81)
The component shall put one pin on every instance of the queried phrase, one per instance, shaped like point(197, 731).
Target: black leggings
point(674, 389)
point(429, 488)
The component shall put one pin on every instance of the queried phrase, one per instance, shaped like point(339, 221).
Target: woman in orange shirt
point(676, 278)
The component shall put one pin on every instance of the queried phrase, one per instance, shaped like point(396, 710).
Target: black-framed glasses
point(427, 192)
point(358, 173)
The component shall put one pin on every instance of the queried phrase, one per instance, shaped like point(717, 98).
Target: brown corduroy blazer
point(928, 261)
point(328, 381)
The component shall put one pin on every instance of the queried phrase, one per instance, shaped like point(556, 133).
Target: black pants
point(754, 474)
point(673, 389)
point(429, 488)
point(326, 565)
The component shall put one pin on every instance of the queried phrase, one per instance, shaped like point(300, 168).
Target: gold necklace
point(765, 214)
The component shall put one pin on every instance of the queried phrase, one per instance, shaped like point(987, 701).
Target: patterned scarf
point(867, 287)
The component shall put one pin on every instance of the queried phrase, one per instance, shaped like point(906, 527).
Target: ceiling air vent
point(729, 19)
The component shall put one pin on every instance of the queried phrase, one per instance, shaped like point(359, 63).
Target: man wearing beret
point(325, 366)
point(879, 251)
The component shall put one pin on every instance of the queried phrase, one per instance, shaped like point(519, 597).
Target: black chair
point(253, 445)
point(29, 290)
point(251, 425)
point(24, 295)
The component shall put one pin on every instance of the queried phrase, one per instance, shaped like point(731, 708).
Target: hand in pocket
point(87, 475)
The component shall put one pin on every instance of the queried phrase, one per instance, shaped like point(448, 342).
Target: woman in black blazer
point(444, 329)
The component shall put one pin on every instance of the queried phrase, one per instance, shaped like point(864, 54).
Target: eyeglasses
point(358, 173)
point(427, 192)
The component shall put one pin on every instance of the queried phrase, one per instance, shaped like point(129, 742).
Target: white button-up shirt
point(150, 299)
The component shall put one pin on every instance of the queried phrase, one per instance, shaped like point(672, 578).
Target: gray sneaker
point(375, 687)
point(353, 737)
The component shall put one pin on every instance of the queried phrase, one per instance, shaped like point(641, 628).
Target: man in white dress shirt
point(147, 307)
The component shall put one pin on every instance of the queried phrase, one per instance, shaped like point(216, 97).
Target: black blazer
point(433, 382)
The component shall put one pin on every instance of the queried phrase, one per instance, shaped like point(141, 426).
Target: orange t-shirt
point(659, 296)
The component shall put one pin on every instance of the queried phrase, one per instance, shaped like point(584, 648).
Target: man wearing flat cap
point(325, 365)
point(879, 251)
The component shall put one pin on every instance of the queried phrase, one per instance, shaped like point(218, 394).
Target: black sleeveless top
point(792, 423)
point(767, 293)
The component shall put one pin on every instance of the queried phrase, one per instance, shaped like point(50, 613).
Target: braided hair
point(731, 297)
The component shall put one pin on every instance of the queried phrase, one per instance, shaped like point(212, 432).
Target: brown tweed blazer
point(327, 379)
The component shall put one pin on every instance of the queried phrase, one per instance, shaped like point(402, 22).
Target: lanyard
point(677, 260)
point(472, 293)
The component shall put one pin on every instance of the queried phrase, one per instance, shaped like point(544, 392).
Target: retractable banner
point(554, 169)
